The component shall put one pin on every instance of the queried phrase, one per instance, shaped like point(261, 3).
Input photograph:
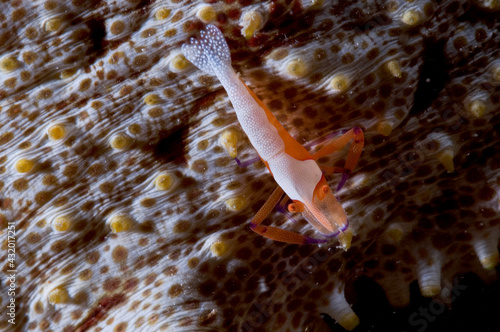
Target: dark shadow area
point(474, 307)
point(171, 148)
point(97, 35)
point(433, 76)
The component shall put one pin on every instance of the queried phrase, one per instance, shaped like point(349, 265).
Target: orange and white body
point(292, 166)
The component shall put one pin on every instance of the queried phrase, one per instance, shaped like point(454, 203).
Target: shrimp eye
point(323, 191)
point(296, 206)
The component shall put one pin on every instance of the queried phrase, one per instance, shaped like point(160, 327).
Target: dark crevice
point(433, 76)
point(97, 35)
point(473, 306)
point(433, 73)
point(103, 308)
point(172, 146)
point(474, 13)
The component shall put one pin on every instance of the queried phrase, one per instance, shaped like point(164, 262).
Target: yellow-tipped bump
point(120, 141)
point(487, 251)
point(251, 22)
point(206, 14)
point(152, 99)
point(384, 128)
point(8, 64)
point(53, 24)
point(24, 165)
point(394, 234)
point(490, 4)
point(477, 108)
point(345, 239)
point(446, 158)
point(430, 290)
point(62, 223)
point(58, 295)
point(490, 262)
point(349, 321)
point(411, 17)
point(393, 68)
point(339, 83)
point(229, 140)
point(340, 310)
point(296, 68)
point(218, 248)
point(495, 72)
point(316, 4)
point(179, 63)
point(429, 276)
point(164, 182)
point(162, 13)
point(56, 132)
point(120, 223)
point(236, 203)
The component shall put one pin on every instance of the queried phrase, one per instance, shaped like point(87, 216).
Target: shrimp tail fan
point(210, 52)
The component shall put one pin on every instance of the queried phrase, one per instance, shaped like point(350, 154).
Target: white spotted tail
point(210, 52)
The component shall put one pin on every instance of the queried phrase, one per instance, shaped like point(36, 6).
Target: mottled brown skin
point(160, 273)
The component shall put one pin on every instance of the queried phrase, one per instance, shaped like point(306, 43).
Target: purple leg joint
point(310, 240)
point(346, 225)
point(246, 163)
point(345, 176)
point(329, 236)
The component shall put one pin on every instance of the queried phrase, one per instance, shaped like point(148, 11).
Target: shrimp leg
point(355, 135)
point(275, 233)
